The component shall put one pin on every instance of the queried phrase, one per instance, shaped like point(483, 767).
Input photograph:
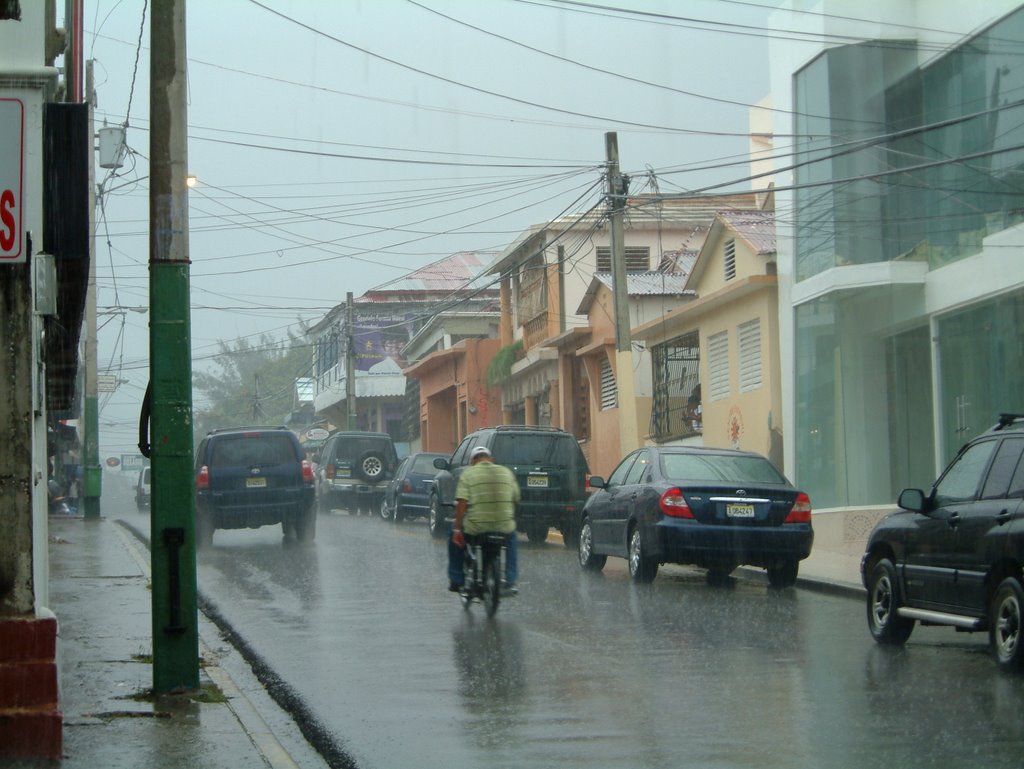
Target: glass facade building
point(908, 265)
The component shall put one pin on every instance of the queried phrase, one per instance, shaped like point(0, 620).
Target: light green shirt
point(491, 493)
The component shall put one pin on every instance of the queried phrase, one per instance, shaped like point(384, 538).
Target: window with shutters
point(638, 259)
point(609, 390)
point(749, 340)
point(730, 259)
point(718, 366)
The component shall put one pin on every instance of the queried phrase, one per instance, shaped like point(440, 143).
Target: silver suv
point(354, 471)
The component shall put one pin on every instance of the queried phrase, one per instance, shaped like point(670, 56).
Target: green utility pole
point(175, 612)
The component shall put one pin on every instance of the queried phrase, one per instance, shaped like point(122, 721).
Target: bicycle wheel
point(491, 581)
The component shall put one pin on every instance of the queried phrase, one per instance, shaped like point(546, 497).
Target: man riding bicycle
point(485, 501)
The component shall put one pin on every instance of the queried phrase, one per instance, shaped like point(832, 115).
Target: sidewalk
point(99, 589)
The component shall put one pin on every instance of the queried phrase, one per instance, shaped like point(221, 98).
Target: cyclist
point(485, 501)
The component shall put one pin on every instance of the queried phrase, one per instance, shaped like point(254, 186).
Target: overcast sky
point(340, 145)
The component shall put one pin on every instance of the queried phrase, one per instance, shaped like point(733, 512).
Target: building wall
point(849, 328)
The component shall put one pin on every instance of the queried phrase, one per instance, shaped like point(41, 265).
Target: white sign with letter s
point(12, 165)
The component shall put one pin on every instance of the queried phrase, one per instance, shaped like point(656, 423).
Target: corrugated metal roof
point(462, 270)
point(648, 283)
point(755, 227)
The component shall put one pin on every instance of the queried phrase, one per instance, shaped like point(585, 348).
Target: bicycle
point(484, 561)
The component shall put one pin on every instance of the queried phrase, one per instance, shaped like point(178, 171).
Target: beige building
point(716, 358)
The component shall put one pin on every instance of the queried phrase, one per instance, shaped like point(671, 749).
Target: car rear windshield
point(528, 449)
point(425, 464)
point(355, 446)
point(256, 449)
point(719, 467)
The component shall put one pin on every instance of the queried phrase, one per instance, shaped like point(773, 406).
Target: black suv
point(354, 471)
point(248, 477)
point(549, 465)
point(954, 556)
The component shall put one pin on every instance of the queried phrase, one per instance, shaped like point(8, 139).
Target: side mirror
point(597, 482)
point(441, 463)
point(912, 500)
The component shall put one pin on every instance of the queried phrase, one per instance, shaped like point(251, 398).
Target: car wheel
point(642, 568)
point(783, 574)
point(570, 534)
point(589, 560)
point(435, 520)
point(884, 622)
point(537, 533)
point(371, 466)
point(1005, 625)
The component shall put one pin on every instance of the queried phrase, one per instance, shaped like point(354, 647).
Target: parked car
point(955, 556)
point(548, 463)
point(248, 477)
point(714, 508)
point(354, 470)
point(408, 494)
point(143, 488)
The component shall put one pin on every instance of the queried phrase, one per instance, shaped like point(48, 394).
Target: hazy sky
point(339, 145)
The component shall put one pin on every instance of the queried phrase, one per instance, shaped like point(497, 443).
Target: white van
point(142, 489)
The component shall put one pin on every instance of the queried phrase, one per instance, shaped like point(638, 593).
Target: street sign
point(12, 178)
point(106, 383)
point(131, 462)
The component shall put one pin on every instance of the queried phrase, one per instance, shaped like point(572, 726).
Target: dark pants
point(457, 560)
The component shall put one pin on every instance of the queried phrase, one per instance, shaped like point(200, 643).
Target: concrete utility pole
point(350, 364)
point(92, 474)
point(618, 187)
point(175, 611)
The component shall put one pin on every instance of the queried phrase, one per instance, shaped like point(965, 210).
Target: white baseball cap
point(480, 451)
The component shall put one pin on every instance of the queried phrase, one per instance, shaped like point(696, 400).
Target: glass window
point(264, 449)
point(639, 468)
point(424, 464)
point(618, 476)
point(719, 467)
point(963, 478)
point(1003, 466)
point(537, 449)
point(459, 457)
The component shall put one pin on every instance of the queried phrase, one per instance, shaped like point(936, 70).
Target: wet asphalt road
point(588, 670)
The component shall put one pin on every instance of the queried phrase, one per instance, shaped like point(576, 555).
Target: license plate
point(537, 481)
point(343, 472)
point(739, 511)
point(255, 483)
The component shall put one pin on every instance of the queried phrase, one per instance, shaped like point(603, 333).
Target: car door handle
point(954, 520)
point(1003, 517)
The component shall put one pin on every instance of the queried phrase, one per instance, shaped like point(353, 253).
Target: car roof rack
point(1005, 420)
point(246, 429)
point(529, 427)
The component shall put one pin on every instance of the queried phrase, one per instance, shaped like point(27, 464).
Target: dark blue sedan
point(713, 508)
point(408, 493)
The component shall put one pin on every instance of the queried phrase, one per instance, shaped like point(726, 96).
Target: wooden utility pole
point(618, 187)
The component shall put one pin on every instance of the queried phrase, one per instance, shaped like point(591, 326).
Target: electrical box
point(45, 268)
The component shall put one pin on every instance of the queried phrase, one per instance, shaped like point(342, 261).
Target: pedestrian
point(485, 501)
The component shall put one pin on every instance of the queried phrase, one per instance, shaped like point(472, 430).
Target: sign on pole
point(12, 174)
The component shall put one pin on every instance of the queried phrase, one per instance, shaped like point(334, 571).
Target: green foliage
point(250, 383)
point(500, 368)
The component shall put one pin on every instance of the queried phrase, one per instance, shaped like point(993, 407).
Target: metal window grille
point(609, 390)
point(676, 405)
point(749, 341)
point(729, 258)
point(638, 258)
point(718, 366)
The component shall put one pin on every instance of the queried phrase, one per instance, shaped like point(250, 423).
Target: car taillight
point(203, 479)
point(801, 512)
point(673, 503)
point(406, 487)
point(307, 471)
point(329, 472)
point(586, 483)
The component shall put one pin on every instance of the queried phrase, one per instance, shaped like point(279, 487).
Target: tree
point(250, 383)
